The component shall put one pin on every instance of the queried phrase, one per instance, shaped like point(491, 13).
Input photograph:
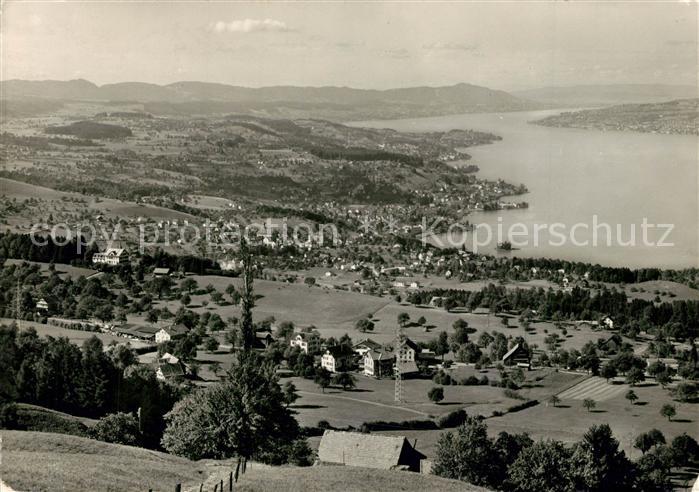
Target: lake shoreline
point(575, 176)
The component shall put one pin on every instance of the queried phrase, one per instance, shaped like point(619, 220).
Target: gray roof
point(381, 354)
point(514, 351)
point(176, 330)
point(357, 449)
point(367, 343)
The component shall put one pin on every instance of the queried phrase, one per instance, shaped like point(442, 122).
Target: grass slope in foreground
point(41, 461)
point(345, 478)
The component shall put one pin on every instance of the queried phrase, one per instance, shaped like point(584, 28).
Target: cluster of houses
point(372, 358)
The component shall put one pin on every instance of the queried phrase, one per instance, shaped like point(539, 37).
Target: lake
point(585, 180)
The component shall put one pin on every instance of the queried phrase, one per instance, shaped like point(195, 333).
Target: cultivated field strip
point(595, 387)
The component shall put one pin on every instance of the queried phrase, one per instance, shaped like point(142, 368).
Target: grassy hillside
point(348, 479)
point(90, 129)
point(40, 419)
point(40, 461)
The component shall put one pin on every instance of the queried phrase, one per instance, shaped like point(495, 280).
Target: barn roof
point(516, 350)
point(357, 449)
point(367, 343)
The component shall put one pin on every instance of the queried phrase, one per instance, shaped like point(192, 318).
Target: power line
point(398, 396)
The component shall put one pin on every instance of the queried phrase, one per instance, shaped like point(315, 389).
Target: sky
point(502, 45)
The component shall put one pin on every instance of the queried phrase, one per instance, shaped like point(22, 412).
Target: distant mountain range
point(606, 95)
point(334, 103)
point(340, 103)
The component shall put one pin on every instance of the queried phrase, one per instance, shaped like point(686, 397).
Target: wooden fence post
point(230, 482)
point(201, 487)
point(216, 488)
point(221, 485)
point(237, 470)
point(178, 487)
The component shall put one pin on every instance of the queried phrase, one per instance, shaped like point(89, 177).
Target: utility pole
point(398, 396)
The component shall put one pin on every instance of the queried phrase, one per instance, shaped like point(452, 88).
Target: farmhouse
point(111, 256)
point(42, 305)
point(170, 367)
point(136, 331)
point(263, 339)
point(365, 346)
point(171, 332)
point(307, 342)
point(517, 355)
point(379, 363)
point(161, 271)
point(337, 358)
point(368, 450)
point(406, 353)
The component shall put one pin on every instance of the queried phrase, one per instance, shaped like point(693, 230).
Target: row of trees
point(680, 317)
point(90, 382)
point(514, 462)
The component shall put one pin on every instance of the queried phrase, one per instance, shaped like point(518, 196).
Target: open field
point(105, 206)
point(441, 320)
point(345, 278)
point(334, 312)
point(373, 399)
point(209, 202)
point(667, 290)
point(68, 270)
point(75, 336)
point(595, 388)
point(569, 420)
point(345, 478)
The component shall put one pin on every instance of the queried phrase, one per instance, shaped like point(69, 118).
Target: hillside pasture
point(569, 420)
point(332, 312)
point(668, 291)
point(345, 478)
point(75, 336)
point(373, 399)
point(440, 320)
point(40, 461)
point(108, 207)
point(67, 270)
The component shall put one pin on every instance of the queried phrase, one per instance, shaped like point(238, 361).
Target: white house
point(170, 333)
point(111, 256)
point(42, 305)
point(307, 342)
point(337, 358)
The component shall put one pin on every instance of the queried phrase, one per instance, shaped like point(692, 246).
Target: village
point(393, 360)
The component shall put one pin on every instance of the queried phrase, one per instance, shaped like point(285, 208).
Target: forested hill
point(588, 96)
point(680, 116)
point(338, 103)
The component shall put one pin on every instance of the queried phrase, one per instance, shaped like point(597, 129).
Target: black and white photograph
point(390, 245)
